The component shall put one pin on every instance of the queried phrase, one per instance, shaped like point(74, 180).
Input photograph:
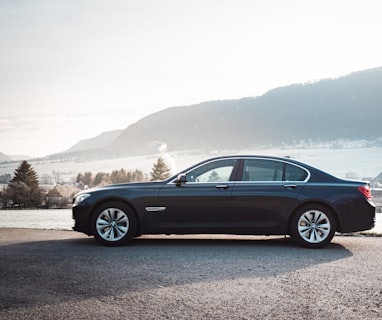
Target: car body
point(243, 195)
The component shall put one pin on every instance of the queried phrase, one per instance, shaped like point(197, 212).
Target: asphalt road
point(47, 274)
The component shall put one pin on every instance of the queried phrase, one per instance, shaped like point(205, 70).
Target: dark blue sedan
point(242, 195)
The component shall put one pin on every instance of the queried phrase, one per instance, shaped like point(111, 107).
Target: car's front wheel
point(113, 223)
point(313, 226)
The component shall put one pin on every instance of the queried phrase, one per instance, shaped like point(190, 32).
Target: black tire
point(113, 224)
point(313, 226)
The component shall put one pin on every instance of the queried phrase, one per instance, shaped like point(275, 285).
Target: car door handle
point(222, 186)
point(290, 186)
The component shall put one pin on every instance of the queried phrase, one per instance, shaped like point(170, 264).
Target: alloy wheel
point(112, 224)
point(314, 226)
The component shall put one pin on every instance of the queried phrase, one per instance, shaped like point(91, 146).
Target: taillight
point(365, 190)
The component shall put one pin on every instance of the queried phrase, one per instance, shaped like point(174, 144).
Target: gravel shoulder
point(50, 274)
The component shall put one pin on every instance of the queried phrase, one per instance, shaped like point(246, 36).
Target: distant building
point(377, 198)
point(378, 180)
point(60, 196)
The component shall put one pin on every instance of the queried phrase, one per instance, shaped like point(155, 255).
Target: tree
point(138, 175)
point(160, 171)
point(79, 178)
point(23, 189)
point(214, 177)
point(19, 194)
point(118, 176)
point(25, 173)
point(87, 178)
point(84, 178)
point(3, 198)
point(100, 179)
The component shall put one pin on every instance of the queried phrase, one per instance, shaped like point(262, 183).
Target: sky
point(72, 69)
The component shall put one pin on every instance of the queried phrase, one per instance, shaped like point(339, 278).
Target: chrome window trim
point(248, 182)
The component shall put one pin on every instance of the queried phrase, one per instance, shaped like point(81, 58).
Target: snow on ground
point(359, 162)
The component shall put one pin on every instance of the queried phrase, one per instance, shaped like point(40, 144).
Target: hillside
point(331, 109)
point(100, 141)
point(346, 108)
point(4, 157)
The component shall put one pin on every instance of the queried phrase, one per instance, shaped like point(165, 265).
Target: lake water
point(61, 219)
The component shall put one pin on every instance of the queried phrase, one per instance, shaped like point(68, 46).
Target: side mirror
point(182, 178)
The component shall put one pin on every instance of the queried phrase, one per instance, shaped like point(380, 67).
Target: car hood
point(124, 186)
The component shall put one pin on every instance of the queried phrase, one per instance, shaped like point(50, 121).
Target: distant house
point(377, 192)
point(60, 196)
point(377, 198)
point(378, 180)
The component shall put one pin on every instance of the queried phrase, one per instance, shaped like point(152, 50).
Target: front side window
point(216, 171)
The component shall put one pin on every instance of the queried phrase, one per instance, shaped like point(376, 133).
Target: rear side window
point(271, 170)
point(293, 173)
point(262, 170)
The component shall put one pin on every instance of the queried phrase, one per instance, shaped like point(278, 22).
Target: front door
point(202, 203)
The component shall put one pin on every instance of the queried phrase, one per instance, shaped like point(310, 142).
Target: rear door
point(265, 193)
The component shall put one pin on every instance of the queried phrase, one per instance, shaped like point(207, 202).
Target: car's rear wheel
point(113, 223)
point(313, 226)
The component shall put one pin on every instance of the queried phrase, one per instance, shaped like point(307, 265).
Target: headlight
point(80, 198)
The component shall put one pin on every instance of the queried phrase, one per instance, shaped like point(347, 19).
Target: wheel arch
point(314, 202)
point(95, 207)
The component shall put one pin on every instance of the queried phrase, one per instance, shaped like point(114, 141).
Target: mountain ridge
point(324, 111)
point(99, 141)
